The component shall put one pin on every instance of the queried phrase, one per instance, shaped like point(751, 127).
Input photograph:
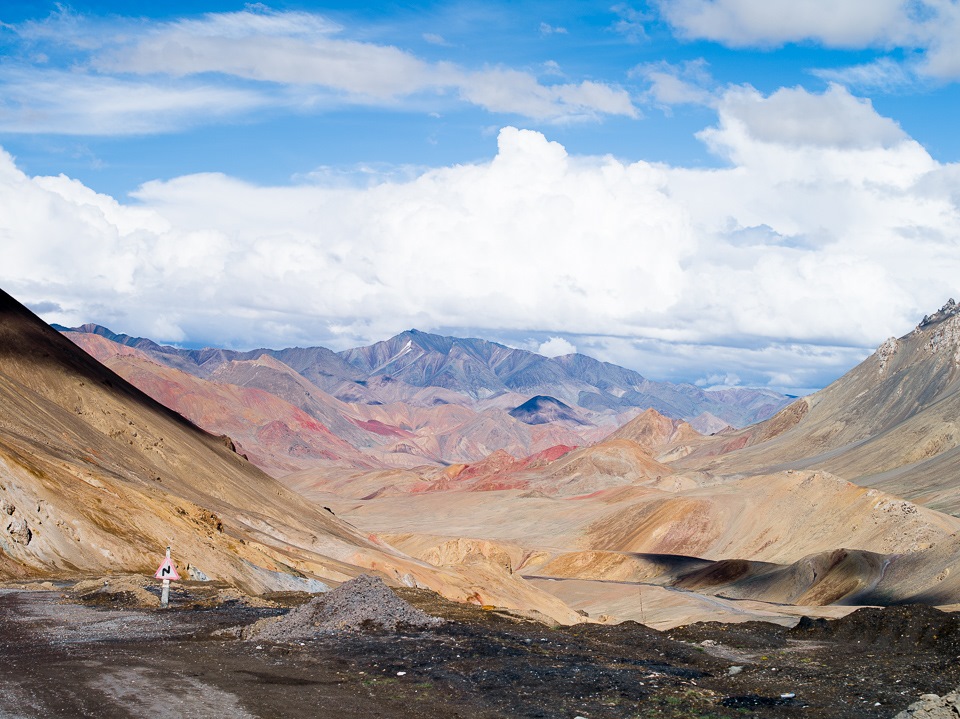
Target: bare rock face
point(885, 351)
point(15, 526)
point(19, 531)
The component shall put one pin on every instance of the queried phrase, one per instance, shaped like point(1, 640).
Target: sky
point(723, 192)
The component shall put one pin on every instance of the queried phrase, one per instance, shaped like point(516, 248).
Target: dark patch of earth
point(64, 660)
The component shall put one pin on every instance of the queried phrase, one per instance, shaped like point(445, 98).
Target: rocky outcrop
point(932, 706)
point(19, 531)
point(15, 526)
point(948, 310)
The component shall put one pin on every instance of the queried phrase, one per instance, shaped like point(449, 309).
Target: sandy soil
point(67, 660)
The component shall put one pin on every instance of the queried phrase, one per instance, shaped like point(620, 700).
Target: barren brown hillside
point(892, 422)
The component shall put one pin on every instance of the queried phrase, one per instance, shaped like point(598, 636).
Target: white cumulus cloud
point(794, 116)
point(556, 347)
point(941, 30)
point(814, 243)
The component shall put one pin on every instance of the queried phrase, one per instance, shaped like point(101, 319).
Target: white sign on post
point(166, 571)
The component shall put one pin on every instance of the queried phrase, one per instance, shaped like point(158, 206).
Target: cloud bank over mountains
point(827, 230)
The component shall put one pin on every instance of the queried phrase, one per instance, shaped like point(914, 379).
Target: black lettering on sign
point(166, 570)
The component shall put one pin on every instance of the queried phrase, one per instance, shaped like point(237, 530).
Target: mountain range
point(473, 368)
point(415, 398)
point(843, 498)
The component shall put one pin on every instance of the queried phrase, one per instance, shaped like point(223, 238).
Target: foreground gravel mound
point(362, 603)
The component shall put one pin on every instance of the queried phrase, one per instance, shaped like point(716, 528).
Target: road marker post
point(167, 572)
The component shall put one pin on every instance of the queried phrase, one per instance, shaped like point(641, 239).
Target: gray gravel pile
point(932, 706)
point(363, 602)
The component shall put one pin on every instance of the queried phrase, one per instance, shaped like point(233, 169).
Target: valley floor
point(63, 659)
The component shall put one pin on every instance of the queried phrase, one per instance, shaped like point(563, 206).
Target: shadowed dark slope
point(542, 409)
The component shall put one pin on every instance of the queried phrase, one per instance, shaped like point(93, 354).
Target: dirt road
point(66, 660)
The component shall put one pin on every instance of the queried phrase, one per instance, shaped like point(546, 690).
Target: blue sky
point(719, 191)
point(585, 42)
point(618, 45)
